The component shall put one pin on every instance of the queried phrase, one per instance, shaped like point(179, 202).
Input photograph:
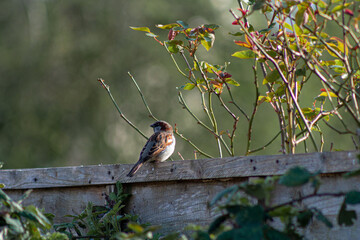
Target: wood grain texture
point(175, 194)
point(231, 167)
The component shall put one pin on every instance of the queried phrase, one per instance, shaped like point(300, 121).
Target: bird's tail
point(135, 169)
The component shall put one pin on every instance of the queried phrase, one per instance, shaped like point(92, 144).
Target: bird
point(159, 147)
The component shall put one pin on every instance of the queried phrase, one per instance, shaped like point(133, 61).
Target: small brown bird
point(158, 148)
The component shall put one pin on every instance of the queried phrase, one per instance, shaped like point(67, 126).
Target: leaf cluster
point(22, 223)
point(247, 213)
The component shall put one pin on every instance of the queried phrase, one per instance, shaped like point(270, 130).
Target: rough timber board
point(62, 201)
point(175, 194)
point(174, 205)
point(231, 167)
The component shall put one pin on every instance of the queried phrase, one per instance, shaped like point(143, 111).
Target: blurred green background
point(53, 112)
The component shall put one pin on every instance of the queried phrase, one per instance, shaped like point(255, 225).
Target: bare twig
point(142, 97)
point(107, 88)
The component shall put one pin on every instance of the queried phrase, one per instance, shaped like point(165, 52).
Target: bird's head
point(161, 126)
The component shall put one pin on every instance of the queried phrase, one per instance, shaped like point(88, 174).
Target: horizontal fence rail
point(174, 194)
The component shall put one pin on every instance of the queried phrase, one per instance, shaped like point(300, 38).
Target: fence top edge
point(202, 169)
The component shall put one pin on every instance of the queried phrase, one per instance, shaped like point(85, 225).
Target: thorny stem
point(257, 94)
point(107, 88)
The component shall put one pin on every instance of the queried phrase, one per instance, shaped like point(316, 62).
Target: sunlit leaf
point(232, 82)
point(208, 40)
point(188, 86)
point(150, 34)
point(325, 94)
point(242, 44)
point(167, 26)
point(144, 29)
point(244, 54)
point(340, 7)
point(288, 26)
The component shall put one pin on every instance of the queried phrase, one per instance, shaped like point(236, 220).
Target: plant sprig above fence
point(301, 48)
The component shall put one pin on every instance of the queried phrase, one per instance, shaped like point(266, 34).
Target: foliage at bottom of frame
point(245, 212)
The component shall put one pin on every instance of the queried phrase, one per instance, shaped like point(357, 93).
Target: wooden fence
point(174, 194)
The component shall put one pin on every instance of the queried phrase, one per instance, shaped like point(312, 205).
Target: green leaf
point(346, 217)
point(208, 40)
point(321, 217)
point(201, 235)
point(352, 173)
point(167, 26)
point(211, 26)
point(150, 34)
point(13, 224)
point(352, 197)
point(271, 77)
point(299, 16)
point(217, 223)
point(237, 34)
point(273, 234)
point(283, 211)
point(232, 82)
point(137, 228)
point(296, 176)
point(251, 216)
point(246, 54)
point(144, 29)
point(223, 193)
point(340, 7)
point(288, 26)
point(188, 86)
point(304, 218)
point(298, 30)
point(183, 24)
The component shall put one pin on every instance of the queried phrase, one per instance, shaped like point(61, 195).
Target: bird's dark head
point(161, 126)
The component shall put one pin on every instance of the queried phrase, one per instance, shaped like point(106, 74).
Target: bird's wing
point(155, 145)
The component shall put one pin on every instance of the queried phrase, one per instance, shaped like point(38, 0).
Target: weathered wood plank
point(63, 201)
point(174, 205)
point(231, 167)
point(174, 194)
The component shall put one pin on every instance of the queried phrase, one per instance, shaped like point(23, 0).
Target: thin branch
point(107, 88)
point(266, 145)
point(183, 103)
point(142, 97)
point(299, 199)
point(281, 75)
